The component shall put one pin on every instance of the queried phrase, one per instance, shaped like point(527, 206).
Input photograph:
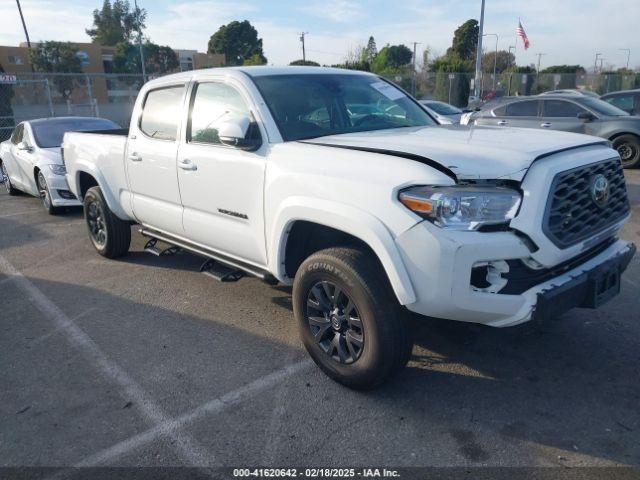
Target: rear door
point(8, 157)
point(222, 187)
point(560, 114)
point(522, 114)
point(151, 159)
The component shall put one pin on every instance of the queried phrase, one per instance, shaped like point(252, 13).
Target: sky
point(566, 31)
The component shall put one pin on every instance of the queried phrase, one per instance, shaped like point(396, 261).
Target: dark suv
point(627, 100)
point(570, 113)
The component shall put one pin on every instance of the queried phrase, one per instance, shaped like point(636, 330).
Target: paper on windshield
point(388, 90)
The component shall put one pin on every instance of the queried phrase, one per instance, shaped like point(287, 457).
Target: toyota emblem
point(600, 190)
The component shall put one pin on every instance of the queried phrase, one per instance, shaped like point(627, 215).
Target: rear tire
point(628, 146)
point(110, 235)
point(7, 181)
point(349, 319)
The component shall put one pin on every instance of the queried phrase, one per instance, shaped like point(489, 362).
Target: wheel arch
point(345, 225)
point(85, 178)
point(615, 135)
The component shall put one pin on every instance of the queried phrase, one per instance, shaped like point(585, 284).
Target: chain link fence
point(30, 96)
point(112, 96)
point(455, 88)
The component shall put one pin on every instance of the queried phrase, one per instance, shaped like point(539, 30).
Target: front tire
point(45, 194)
point(349, 319)
point(110, 235)
point(628, 146)
point(7, 181)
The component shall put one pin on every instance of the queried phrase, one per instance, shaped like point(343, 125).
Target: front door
point(151, 159)
point(221, 187)
point(562, 115)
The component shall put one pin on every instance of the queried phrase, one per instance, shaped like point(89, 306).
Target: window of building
point(15, 60)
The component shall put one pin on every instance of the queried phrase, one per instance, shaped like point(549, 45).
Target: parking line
point(630, 282)
point(214, 406)
point(185, 445)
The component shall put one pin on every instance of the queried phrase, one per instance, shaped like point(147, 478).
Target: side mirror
point(586, 116)
point(23, 146)
point(236, 133)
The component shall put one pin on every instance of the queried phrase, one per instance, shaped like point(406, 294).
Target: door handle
point(186, 164)
point(502, 123)
point(545, 125)
point(134, 157)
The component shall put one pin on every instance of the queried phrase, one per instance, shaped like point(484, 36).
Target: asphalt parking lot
point(146, 362)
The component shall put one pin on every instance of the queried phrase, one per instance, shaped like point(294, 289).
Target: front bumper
point(440, 262)
point(58, 187)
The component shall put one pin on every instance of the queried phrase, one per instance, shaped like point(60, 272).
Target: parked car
point(444, 112)
point(572, 91)
point(31, 160)
point(627, 100)
point(571, 113)
point(368, 219)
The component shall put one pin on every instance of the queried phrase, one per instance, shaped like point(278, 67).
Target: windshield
point(442, 108)
point(315, 105)
point(48, 134)
point(602, 107)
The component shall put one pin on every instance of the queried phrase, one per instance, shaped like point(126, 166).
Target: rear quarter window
point(161, 113)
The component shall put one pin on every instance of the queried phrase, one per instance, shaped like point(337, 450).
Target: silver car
point(444, 112)
point(570, 113)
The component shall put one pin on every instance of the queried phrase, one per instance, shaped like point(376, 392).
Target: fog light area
point(487, 276)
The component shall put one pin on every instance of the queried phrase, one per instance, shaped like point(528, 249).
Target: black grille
point(573, 215)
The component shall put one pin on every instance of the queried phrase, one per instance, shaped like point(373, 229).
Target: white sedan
point(31, 160)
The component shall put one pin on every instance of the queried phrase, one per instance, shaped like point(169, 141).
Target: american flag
point(522, 34)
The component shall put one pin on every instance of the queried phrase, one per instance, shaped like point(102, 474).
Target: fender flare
point(348, 219)
point(89, 169)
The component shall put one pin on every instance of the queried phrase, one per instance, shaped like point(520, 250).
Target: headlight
point(462, 208)
point(58, 169)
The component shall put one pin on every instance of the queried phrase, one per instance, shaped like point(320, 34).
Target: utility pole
point(595, 64)
point(26, 32)
point(514, 50)
point(628, 50)
point(413, 77)
point(24, 25)
point(304, 55)
point(495, 58)
point(476, 82)
point(144, 71)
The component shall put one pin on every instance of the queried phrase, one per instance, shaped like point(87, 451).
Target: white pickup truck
point(341, 184)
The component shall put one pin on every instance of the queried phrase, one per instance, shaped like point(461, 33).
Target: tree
point(255, 59)
point(370, 51)
point(237, 41)
point(157, 59)
point(57, 57)
point(7, 121)
point(116, 23)
point(574, 69)
point(309, 63)
point(392, 59)
point(505, 61)
point(465, 41)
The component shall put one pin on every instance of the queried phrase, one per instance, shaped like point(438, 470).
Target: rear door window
point(527, 108)
point(561, 109)
point(161, 113)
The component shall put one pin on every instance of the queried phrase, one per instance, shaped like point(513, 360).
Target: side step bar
point(225, 268)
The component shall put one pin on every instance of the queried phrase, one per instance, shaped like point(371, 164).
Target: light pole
point(628, 50)
point(413, 78)
point(26, 32)
point(495, 58)
point(476, 83)
point(144, 70)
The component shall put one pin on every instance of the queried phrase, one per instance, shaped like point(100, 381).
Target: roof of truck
point(260, 70)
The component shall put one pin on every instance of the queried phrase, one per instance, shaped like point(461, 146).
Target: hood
point(468, 151)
